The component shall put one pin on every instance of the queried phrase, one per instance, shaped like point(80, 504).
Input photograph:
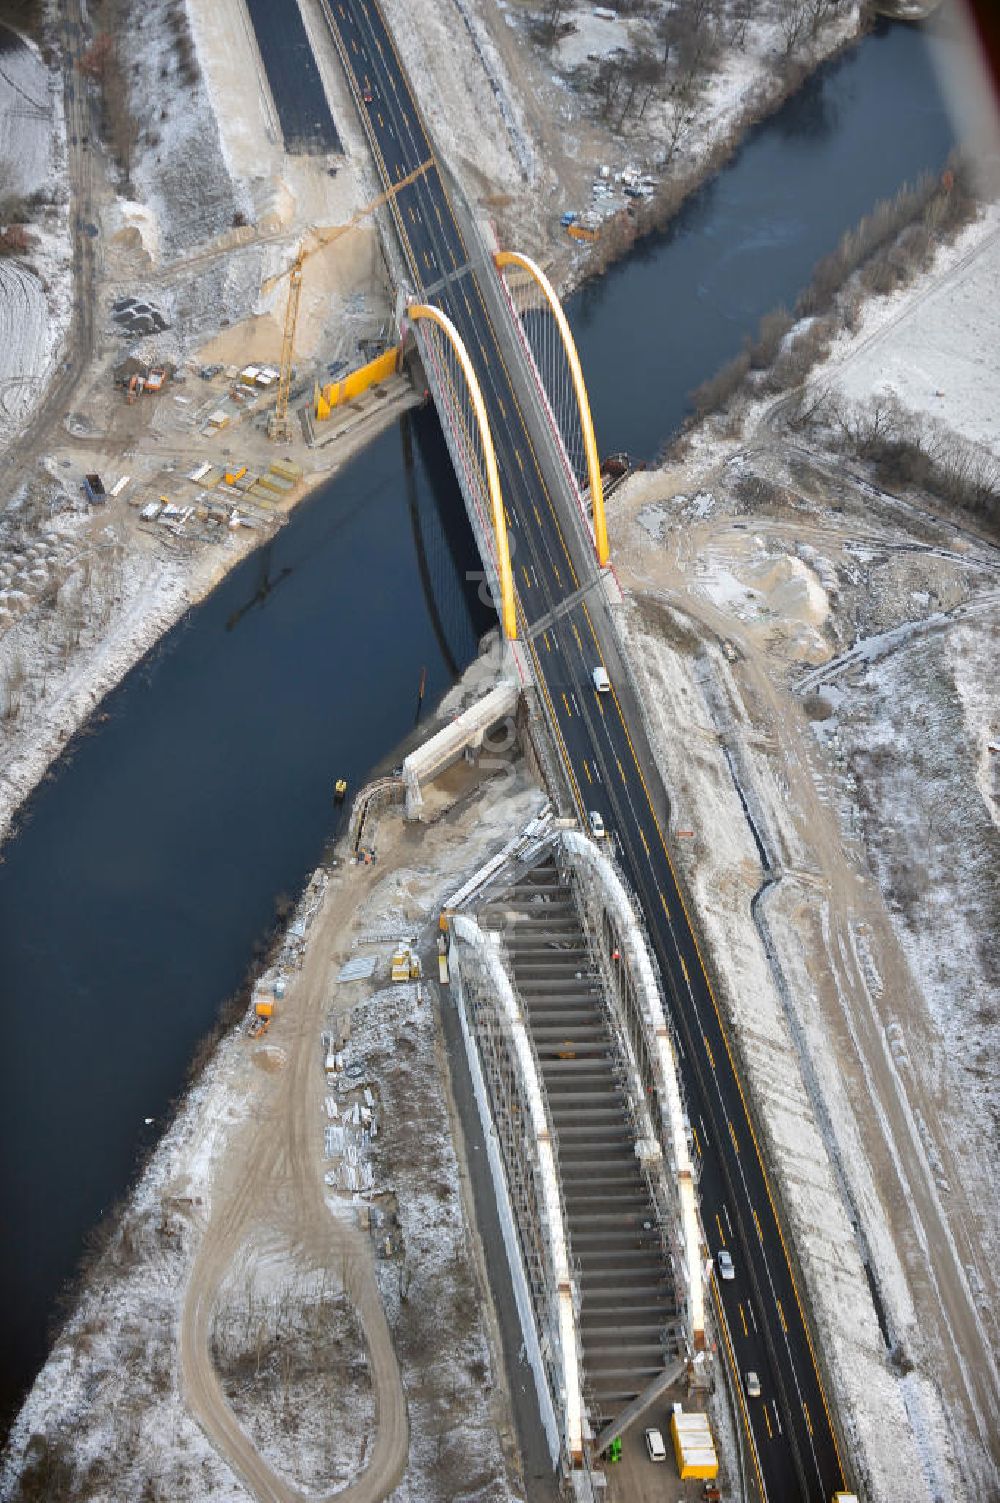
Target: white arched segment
point(585, 852)
point(469, 932)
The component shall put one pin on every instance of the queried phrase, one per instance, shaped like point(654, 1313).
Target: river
point(148, 868)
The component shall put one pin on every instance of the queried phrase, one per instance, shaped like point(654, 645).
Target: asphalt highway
point(792, 1445)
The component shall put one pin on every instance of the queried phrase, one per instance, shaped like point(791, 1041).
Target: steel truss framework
point(522, 1124)
point(632, 993)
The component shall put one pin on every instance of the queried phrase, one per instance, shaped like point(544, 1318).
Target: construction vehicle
point(278, 426)
point(263, 1013)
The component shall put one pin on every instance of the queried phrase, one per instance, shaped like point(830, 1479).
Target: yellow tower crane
point(278, 426)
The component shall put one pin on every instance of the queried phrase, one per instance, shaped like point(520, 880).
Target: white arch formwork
point(561, 1340)
point(584, 853)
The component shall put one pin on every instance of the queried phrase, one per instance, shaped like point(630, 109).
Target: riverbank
point(53, 677)
point(231, 785)
point(282, 1204)
point(116, 589)
point(828, 643)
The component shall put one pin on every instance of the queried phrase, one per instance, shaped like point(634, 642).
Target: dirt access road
point(823, 891)
point(269, 1190)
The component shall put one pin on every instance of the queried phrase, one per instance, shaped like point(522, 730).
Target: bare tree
point(552, 19)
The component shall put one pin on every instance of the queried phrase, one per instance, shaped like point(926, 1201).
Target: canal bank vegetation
point(678, 87)
point(885, 252)
point(905, 451)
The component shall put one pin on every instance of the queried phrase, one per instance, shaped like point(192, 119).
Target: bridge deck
point(629, 1321)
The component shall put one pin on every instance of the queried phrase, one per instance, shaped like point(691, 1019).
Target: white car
point(596, 824)
point(655, 1449)
point(724, 1265)
point(601, 681)
point(753, 1385)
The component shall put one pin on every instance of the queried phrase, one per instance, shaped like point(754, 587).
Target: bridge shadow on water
point(148, 868)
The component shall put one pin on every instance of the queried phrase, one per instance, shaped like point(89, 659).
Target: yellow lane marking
point(732, 1064)
point(642, 837)
point(722, 1235)
point(576, 633)
point(520, 461)
point(781, 1317)
point(708, 1051)
point(666, 910)
point(666, 853)
point(732, 1134)
point(586, 768)
point(527, 581)
point(537, 517)
point(503, 410)
point(756, 1222)
point(684, 968)
point(697, 1144)
point(380, 120)
point(621, 770)
point(767, 1421)
point(738, 1381)
point(744, 1320)
point(805, 1411)
point(486, 358)
point(569, 712)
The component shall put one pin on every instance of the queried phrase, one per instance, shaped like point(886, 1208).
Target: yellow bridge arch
point(514, 258)
point(508, 613)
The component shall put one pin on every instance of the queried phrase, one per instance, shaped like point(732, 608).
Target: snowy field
point(937, 353)
point(26, 89)
point(24, 343)
point(34, 291)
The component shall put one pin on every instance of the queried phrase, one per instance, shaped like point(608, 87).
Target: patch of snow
point(933, 348)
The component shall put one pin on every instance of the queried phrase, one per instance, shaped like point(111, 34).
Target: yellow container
point(694, 1447)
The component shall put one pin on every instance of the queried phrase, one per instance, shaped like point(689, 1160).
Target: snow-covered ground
point(34, 286)
point(27, 89)
point(935, 351)
point(831, 650)
point(308, 1410)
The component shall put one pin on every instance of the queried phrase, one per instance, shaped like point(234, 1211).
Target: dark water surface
point(658, 324)
point(131, 901)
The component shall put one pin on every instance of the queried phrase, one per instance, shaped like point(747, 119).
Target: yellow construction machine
point(278, 426)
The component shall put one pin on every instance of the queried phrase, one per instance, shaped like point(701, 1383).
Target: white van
point(601, 681)
point(596, 824)
point(655, 1449)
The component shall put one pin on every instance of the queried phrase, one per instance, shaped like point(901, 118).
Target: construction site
point(549, 835)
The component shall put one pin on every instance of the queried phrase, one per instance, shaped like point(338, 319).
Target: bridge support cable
point(634, 992)
point(552, 348)
point(520, 1143)
point(460, 403)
